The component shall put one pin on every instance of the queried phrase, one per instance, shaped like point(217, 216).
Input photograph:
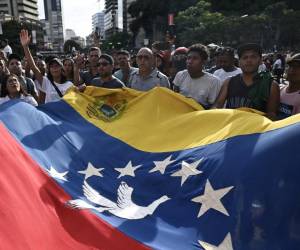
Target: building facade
point(113, 19)
point(53, 25)
point(98, 24)
point(127, 18)
point(69, 34)
point(26, 9)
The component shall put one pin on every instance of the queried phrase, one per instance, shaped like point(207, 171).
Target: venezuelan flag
point(121, 169)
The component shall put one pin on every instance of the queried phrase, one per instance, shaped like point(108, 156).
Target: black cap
point(249, 46)
point(294, 58)
point(55, 60)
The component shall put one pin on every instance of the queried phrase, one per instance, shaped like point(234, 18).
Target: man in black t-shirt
point(105, 69)
point(250, 89)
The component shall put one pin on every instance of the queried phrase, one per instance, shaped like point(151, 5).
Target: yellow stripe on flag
point(161, 120)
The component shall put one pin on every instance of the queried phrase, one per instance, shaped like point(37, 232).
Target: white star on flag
point(128, 170)
point(211, 199)
point(91, 171)
point(187, 170)
point(60, 176)
point(226, 244)
point(161, 165)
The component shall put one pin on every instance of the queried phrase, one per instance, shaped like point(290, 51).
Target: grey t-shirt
point(204, 89)
point(87, 77)
point(119, 74)
point(155, 79)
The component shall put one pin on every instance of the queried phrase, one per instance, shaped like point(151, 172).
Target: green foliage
point(152, 14)
point(275, 25)
point(69, 44)
point(116, 42)
point(11, 30)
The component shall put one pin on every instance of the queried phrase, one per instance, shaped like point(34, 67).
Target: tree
point(69, 45)
point(117, 41)
point(275, 25)
point(152, 15)
point(11, 30)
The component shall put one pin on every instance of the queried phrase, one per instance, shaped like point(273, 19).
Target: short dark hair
point(200, 49)
point(107, 58)
point(249, 47)
point(94, 49)
point(123, 52)
point(14, 56)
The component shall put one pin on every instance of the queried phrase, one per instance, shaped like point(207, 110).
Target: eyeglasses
point(104, 64)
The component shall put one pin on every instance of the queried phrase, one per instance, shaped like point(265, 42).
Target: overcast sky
point(77, 14)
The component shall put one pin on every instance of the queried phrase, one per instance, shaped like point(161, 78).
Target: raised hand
point(25, 38)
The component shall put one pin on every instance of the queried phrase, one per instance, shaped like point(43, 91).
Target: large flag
point(121, 169)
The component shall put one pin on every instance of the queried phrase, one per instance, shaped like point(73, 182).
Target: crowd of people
point(221, 77)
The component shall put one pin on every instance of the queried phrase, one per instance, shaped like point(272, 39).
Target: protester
point(68, 64)
point(92, 72)
point(178, 62)
point(105, 70)
point(278, 67)
point(147, 76)
point(226, 63)
point(290, 94)
point(11, 89)
point(3, 72)
point(250, 89)
point(15, 67)
point(54, 85)
point(193, 82)
point(41, 64)
point(214, 63)
point(123, 74)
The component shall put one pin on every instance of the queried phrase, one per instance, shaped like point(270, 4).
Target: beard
point(105, 74)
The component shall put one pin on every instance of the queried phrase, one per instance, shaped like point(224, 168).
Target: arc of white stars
point(91, 171)
point(187, 170)
point(55, 174)
point(211, 199)
point(162, 165)
point(128, 170)
point(226, 244)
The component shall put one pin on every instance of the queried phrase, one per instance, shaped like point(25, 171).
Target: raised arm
point(25, 41)
point(273, 102)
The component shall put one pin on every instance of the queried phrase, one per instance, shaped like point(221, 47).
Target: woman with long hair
point(11, 89)
point(55, 84)
point(68, 64)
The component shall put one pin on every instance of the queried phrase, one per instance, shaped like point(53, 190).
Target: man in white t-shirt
point(228, 69)
point(193, 82)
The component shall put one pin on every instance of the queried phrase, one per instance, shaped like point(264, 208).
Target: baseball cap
point(55, 60)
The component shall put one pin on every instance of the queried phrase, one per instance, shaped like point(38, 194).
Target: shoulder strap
point(57, 89)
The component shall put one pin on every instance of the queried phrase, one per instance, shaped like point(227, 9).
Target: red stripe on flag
point(33, 214)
